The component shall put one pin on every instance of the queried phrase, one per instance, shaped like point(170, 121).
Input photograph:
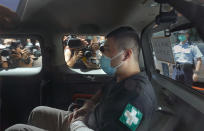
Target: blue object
point(186, 53)
point(182, 38)
point(165, 69)
point(11, 4)
point(105, 63)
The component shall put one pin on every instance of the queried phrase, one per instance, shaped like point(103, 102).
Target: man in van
point(126, 103)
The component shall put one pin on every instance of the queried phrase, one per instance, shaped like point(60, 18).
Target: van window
point(178, 56)
point(20, 56)
point(13, 5)
point(82, 53)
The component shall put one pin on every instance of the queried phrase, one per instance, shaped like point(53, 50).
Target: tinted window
point(20, 55)
point(82, 53)
point(176, 59)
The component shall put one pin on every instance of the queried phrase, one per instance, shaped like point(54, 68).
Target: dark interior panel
point(64, 86)
point(19, 96)
point(177, 115)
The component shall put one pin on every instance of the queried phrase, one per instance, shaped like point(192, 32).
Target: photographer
point(4, 59)
point(73, 55)
point(5, 52)
point(26, 59)
point(82, 53)
point(92, 62)
point(36, 55)
point(19, 57)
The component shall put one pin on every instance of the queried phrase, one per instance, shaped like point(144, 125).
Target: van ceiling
point(86, 16)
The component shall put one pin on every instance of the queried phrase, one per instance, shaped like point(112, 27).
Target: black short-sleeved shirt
point(135, 90)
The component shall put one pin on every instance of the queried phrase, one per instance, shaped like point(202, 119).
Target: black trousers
point(183, 73)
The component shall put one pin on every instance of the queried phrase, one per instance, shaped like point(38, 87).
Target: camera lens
point(5, 53)
point(87, 54)
point(102, 49)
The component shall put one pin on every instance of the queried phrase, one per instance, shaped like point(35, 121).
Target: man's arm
point(70, 61)
point(78, 125)
point(89, 104)
point(92, 102)
point(197, 69)
point(67, 54)
point(197, 55)
point(198, 65)
point(77, 55)
point(81, 113)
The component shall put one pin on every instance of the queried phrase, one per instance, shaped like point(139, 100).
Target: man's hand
point(24, 51)
point(197, 68)
point(77, 114)
point(77, 117)
point(65, 38)
point(78, 54)
point(82, 112)
point(195, 77)
point(16, 55)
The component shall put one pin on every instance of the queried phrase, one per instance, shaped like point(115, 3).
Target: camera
point(87, 52)
point(76, 44)
point(5, 53)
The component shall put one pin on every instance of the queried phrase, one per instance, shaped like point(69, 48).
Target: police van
point(43, 62)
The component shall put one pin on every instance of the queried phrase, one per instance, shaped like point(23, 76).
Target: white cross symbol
point(131, 117)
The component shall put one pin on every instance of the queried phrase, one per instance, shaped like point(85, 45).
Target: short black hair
point(119, 31)
point(126, 37)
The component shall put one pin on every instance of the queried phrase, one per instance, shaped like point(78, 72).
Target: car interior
point(52, 83)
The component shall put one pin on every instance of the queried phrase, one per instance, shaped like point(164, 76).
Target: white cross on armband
point(131, 117)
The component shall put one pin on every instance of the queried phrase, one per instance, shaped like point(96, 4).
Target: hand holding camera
point(78, 54)
point(80, 47)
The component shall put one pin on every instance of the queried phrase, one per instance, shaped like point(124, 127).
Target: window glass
point(180, 56)
point(82, 53)
point(20, 56)
point(11, 4)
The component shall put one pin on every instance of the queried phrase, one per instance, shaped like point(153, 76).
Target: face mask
point(105, 63)
point(182, 38)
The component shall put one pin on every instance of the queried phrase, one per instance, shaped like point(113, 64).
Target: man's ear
point(128, 54)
